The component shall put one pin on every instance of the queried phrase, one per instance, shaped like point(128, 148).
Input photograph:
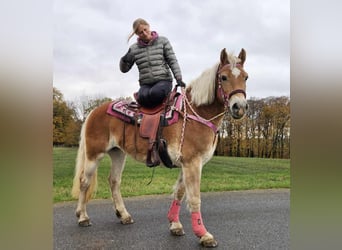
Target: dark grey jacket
point(154, 61)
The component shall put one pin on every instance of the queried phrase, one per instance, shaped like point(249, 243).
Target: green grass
point(219, 174)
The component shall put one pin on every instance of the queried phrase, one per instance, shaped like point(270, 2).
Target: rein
point(200, 119)
point(195, 117)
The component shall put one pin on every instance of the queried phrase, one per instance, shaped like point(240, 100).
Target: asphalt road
point(238, 220)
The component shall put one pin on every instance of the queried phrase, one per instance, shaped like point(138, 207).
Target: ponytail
point(136, 24)
point(130, 36)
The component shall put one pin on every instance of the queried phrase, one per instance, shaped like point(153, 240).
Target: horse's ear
point(242, 56)
point(224, 57)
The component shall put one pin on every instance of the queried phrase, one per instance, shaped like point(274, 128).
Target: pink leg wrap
point(197, 224)
point(173, 214)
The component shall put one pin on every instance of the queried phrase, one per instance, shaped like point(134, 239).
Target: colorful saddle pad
point(131, 112)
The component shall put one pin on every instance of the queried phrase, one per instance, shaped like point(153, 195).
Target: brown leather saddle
point(150, 123)
point(150, 128)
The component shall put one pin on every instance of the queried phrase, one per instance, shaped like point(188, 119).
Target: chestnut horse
point(191, 143)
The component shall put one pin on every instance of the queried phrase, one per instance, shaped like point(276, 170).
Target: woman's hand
point(180, 83)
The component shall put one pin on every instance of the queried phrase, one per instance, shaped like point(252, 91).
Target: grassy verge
point(219, 174)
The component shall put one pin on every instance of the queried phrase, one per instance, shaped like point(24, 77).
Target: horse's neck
point(207, 111)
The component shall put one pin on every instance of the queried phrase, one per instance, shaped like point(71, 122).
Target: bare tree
point(265, 132)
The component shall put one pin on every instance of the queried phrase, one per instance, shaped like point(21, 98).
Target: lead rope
point(151, 176)
point(179, 154)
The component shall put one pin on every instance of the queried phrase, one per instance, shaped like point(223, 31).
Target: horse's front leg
point(192, 180)
point(176, 228)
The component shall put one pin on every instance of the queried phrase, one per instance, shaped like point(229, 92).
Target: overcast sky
point(90, 37)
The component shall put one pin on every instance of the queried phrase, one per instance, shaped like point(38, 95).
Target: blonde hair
point(136, 25)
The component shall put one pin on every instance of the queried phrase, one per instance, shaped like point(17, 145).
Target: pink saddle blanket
point(130, 112)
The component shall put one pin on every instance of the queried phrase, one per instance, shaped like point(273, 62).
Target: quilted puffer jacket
point(153, 60)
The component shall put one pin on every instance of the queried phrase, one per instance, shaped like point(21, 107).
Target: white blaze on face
point(236, 72)
point(233, 62)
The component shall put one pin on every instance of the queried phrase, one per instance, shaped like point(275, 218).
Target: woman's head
point(141, 28)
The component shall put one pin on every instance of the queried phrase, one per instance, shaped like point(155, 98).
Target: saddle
point(151, 121)
point(149, 127)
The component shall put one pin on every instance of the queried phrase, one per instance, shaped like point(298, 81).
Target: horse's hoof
point(127, 221)
point(177, 232)
point(85, 223)
point(208, 240)
point(212, 243)
point(176, 228)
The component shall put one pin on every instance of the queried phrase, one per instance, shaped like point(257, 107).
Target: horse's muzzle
point(238, 107)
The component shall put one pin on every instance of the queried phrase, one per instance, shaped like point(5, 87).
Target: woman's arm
point(126, 62)
point(171, 60)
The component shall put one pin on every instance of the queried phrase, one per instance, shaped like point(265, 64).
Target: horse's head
point(231, 83)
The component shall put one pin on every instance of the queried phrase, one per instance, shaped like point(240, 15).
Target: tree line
point(264, 132)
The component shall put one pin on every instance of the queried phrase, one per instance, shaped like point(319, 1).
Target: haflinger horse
point(191, 143)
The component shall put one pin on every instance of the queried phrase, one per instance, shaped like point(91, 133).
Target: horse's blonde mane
point(202, 89)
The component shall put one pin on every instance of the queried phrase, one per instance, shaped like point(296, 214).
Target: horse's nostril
point(246, 106)
point(235, 106)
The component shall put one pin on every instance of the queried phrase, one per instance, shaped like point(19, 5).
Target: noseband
point(220, 91)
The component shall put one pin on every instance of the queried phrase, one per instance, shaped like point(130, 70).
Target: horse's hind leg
point(176, 228)
point(88, 182)
point(118, 163)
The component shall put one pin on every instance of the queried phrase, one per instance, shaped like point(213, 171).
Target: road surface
point(257, 219)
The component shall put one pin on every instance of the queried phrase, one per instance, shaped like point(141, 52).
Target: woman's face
point(144, 33)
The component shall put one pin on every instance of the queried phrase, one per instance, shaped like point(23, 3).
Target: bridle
point(220, 92)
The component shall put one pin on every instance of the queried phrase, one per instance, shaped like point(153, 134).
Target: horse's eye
point(246, 78)
point(224, 78)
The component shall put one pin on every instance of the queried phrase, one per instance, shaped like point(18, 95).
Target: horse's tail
point(79, 168)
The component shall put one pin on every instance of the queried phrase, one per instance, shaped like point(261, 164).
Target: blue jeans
point(151, 95)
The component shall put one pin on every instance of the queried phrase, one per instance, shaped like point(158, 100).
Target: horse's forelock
point(233, 60)
point(203, 88)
